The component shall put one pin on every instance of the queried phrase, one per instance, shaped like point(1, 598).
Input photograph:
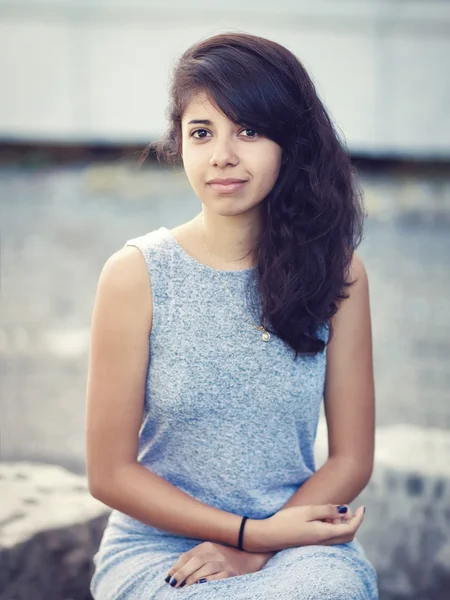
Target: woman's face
point(218, 148)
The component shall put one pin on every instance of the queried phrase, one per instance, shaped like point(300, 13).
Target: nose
point(223, 154)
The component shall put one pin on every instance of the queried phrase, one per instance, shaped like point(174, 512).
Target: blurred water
point(58, 226)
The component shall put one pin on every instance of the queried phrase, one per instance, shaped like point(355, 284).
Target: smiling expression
point(214, 147)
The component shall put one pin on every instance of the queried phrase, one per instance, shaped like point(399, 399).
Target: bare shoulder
point(357, 293)
point(358, 269)
point(126, 267)
point(124, 280)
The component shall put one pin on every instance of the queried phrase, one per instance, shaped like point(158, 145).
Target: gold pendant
point(266, 336)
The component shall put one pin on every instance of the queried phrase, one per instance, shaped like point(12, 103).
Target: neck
point(231, 239)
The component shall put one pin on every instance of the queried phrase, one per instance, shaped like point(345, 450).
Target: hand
point(301, 526)
point(212, 561)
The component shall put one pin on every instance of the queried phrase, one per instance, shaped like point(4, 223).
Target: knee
point(332, 582)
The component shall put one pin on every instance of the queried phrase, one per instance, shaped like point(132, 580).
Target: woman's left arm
point(349, 401)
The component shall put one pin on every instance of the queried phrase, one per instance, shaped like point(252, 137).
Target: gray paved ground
point(58, 226)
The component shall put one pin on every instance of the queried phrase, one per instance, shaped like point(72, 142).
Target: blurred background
point(83, 88)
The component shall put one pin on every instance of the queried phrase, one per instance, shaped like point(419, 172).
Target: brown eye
point(196, 131)
point(253, 130)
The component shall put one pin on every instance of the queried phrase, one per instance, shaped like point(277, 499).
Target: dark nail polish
point(342, 509)
point(364, 509)
point(183, 584)
point(202, 580)
point(167, 579)
point(173, 583)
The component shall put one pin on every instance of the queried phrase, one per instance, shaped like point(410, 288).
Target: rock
point(406, 529)
point(50, 528)
point(441, 573)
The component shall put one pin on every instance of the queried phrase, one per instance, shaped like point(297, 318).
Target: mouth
point(227, 187)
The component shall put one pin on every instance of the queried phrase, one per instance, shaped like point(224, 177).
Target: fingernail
point(182, 584)
point(364, 509)
point(202, 580)
point(173, 583)
point(342, 509)
point(167, 579)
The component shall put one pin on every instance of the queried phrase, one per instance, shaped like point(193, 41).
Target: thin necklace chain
point(266, 335)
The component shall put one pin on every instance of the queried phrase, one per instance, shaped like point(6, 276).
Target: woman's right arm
point(118, 361)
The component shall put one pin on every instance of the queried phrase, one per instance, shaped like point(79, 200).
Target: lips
point(226, 181)
point(227, 186)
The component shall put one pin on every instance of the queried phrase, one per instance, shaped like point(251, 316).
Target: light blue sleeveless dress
point(230, 420)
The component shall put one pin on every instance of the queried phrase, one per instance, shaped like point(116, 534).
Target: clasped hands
point(210, 561)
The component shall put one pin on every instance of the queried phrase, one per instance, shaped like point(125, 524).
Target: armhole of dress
point(324, 334)
point(136, 243)
point(328, 330)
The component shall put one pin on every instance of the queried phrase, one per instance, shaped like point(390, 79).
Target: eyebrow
point(200, 122)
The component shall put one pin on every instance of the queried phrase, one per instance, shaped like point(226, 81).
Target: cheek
point(192, 168)
point(269, 166)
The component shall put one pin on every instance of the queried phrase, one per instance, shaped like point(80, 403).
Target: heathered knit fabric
point(230, 420)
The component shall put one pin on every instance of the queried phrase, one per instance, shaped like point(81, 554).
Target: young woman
point(213, 344)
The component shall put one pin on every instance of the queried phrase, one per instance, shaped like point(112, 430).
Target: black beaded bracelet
point(241, 533)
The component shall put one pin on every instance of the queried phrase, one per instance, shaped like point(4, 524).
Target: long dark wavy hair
point(312, 219)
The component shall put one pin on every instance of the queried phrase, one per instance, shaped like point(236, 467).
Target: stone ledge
point(38, 497)
point(50, 526)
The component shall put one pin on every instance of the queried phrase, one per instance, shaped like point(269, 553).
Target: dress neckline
point(193, 260)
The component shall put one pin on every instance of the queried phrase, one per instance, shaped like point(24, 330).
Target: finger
point(188, 569)
point(203, 576)
point(358, 517)
point(176, 567)
point(355, 520)
point(327, 511)
point(208, 571)
point(335, 521)
point(346, 517)
point(214, 577)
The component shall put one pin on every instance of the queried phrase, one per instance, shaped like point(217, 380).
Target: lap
point(137, 571)
point(338, 572)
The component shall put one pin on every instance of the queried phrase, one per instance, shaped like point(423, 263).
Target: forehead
point(199, 105)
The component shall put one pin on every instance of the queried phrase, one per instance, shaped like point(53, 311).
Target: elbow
point(365, 467)
point(95, 487)
point(102, 481)
point(363, 473)
point(368, 473)
point(97, 480)
point(96, 491)
point(357, 470)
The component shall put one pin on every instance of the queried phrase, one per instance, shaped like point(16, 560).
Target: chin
point(234, 211)
point(228, 207)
